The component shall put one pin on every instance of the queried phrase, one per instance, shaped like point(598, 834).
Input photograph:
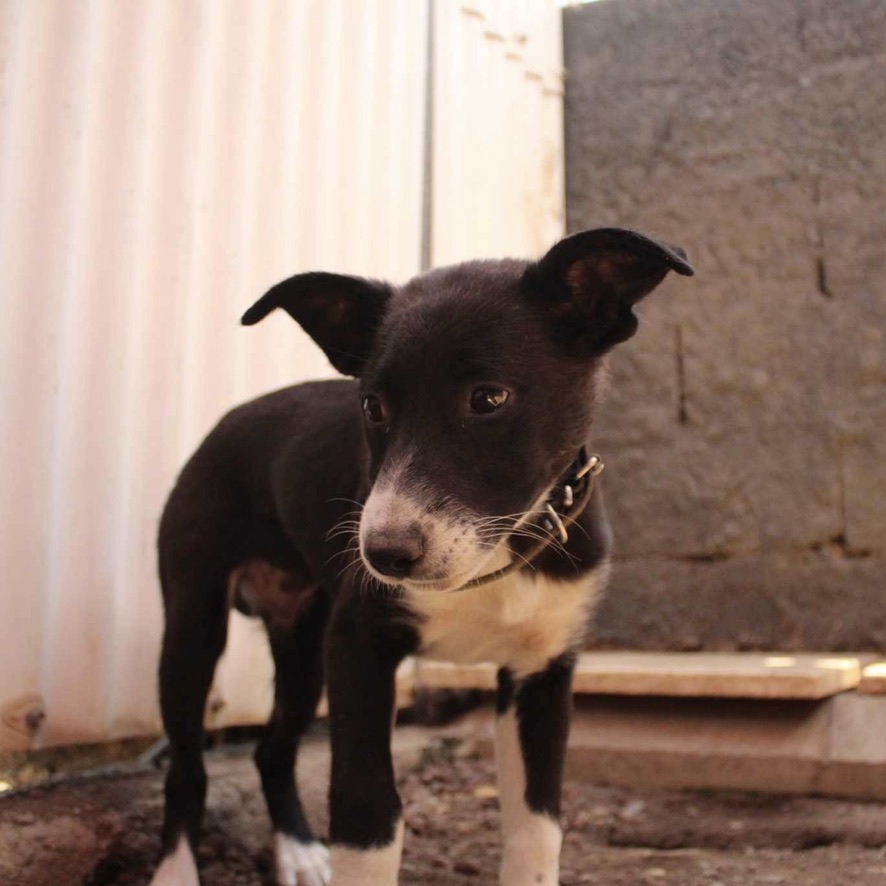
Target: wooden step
point(681, 674)
point(873, 679)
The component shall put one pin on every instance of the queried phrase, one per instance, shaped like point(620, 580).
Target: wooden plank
point(684, 675)
point(717, 675)
point(445, 675)
point(873, 679)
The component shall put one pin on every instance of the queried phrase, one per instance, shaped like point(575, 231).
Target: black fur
point(544, 708)
point(277, 476)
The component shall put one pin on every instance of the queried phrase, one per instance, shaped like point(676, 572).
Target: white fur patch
point(178, 868)
point(451, 554)
point(368, 867)
point(532, 841)
point(522, 621)
point(300, 864)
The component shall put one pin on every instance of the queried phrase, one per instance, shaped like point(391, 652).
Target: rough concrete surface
point(104, 832)
point(745, 429)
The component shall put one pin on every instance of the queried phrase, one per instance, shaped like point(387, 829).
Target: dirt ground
point(103, 832)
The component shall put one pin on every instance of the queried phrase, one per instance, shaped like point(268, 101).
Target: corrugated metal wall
point(161, 163)
point(498, 129)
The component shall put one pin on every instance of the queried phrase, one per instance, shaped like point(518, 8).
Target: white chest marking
point(521, 621)
point(177, 869)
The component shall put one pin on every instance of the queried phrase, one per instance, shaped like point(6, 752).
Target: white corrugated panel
point(498, 129)
point(161, 164)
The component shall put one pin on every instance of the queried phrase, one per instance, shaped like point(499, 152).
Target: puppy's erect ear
point(340, 313)
point(591, 281)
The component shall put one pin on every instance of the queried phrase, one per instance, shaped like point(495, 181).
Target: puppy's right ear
point(340, 313)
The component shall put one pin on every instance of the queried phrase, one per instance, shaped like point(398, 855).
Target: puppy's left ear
point(340, 313)
point(591, 281)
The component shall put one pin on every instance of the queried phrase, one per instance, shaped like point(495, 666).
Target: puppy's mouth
point(442, 585)
point(425, 578)
point(402, 545)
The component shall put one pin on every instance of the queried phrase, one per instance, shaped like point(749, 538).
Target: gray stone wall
point(745, 429)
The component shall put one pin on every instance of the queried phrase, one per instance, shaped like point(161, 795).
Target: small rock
point(468, 868)
point(633, 809)
point(467, 750)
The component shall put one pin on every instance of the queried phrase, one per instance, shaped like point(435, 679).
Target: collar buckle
point(558, 508)
point(588, 464)
point(553, 521)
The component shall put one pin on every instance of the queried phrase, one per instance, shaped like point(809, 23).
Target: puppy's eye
point(373, 410)
point(487, 399)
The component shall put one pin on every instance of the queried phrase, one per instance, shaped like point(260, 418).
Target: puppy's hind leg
point(300, 859)
point(195, 635)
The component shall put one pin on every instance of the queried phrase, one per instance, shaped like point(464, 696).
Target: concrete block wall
point(745, 428)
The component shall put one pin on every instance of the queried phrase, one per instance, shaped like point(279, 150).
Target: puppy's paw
point(178, 868)
point(300, 864)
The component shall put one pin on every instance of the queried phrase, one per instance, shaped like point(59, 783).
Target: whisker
point(335, 532)
point(349, 565)
point(349, 501)
point(517, 516)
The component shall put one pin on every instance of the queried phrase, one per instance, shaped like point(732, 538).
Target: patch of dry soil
point(103, 832)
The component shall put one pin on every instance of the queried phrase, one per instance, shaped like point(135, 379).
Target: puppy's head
point(477, 387)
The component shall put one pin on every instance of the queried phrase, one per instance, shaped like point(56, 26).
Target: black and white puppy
point(365, 521)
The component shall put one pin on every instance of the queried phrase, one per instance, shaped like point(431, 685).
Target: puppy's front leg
point(532, 726)
point(366, 824)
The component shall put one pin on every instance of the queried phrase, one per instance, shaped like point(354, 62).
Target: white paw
point(177, 869)
point(300, 864)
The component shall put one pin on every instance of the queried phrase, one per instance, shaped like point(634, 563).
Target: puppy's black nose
point(395, 552)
